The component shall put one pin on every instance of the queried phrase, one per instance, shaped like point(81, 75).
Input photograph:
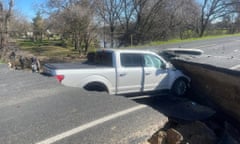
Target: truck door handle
point(122, 74)
point(147, 73)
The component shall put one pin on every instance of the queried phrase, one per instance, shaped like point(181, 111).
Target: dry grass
point(49, 51)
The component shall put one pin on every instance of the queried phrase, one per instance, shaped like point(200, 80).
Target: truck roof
point(126, 50)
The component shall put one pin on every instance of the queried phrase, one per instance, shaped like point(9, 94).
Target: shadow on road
point(179, 108)
point(190, 118)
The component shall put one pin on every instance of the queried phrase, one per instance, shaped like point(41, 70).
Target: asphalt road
point(36, 109)
point(220, 52)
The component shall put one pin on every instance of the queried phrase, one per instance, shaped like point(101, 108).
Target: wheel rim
point(181, 87)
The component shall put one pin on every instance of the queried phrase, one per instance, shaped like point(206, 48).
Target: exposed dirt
point(217, 88)
point(214, 130)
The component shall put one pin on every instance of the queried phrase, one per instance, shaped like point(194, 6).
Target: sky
point(26, 7)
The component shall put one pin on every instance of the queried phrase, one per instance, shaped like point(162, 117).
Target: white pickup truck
point(120, 71)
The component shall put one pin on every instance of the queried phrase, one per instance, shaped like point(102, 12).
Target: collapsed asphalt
point(34, 108)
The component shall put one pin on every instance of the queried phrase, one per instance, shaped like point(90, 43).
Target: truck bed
point(50, 69)
point(84, 65)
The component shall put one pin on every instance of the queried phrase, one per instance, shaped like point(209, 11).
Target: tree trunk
point(4, 23)
point(112, 35)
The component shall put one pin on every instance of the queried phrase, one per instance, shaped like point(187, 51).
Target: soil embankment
point(217, 88)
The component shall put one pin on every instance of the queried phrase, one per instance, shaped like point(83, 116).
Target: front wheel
point(180, 87)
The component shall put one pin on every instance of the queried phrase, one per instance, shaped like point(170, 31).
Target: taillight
point(59, 78)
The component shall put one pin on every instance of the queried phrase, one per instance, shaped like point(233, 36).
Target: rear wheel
point(96, 86)
point(180, 87)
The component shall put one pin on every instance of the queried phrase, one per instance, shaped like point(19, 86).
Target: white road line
point(235, 67)
point(145, 96)
point(90, 124)
point(139, 97)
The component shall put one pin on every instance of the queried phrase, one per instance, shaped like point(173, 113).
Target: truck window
point(152, 61)
point(102, 58)
point(131, 60)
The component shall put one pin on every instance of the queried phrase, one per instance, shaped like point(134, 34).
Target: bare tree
point(212, 10)
point(109, 11)
point(182, 17)
point(143, 20)
point(127, 18)
point(236, 10)
point(237, 23)
point(140, 20)
point(38, 27)
point(74, 18)
point(128, 14)
point(161, 19)
point(77, 17)
point(149, 17)
point(19, 25)
point(5, 16)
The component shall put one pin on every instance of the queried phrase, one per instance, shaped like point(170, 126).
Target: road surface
point(36, 109)
point(221, 52)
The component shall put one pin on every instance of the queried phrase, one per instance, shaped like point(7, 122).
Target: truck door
point(130, 77)
point(156, 76)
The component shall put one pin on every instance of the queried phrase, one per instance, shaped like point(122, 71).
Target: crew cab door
point(130, 77)
point(155, 73)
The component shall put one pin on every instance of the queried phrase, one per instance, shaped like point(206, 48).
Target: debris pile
point(191, 133)
point(196, 133)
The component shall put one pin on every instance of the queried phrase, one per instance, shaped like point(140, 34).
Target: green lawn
point(58, 49)
point(155, 43)
point(45, 48)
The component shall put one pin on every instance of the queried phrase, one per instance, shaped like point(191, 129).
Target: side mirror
point(163, 66)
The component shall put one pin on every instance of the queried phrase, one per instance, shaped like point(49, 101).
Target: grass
point(45, 48)
point(155, 43)
point(58, 49)
point(49, 51)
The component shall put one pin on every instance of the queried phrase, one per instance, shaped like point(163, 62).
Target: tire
point(180, 87)
point(96, 86)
